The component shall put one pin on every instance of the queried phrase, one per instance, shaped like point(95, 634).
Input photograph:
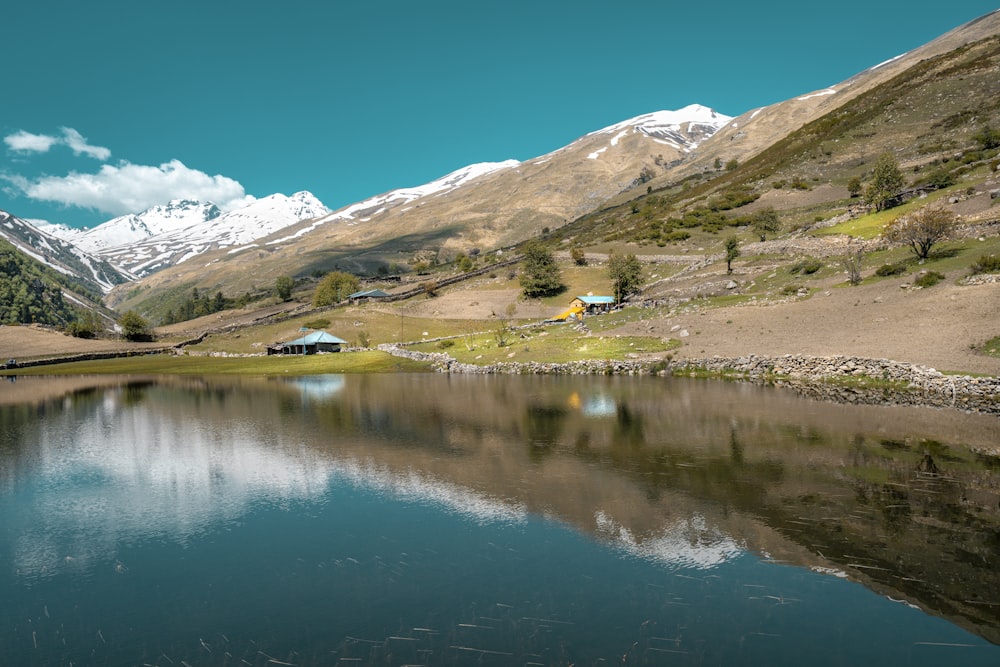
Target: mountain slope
point(484, 206)
point(90, 273)
point(754, 131)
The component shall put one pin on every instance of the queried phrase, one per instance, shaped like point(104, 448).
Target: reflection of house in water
point(598, 405)
point(317, 341)
point(318, 386)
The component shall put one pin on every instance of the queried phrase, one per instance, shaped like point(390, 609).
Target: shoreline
point(842, 379)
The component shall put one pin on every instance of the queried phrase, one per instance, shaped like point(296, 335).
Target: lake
point(469, 520)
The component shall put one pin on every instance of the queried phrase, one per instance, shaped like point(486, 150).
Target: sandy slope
point(935, 327)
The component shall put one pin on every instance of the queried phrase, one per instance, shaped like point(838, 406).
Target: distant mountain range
point(166, 235)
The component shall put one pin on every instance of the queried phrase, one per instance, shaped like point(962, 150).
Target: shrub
point(134, 327)
point(678, 235)
point(806, 267)
point(791, 289)
point(929, 279)
point(891, 269)
point(986, 264)
point(320, 323)
point(445, 344)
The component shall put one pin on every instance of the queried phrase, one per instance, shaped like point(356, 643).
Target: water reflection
point(697, 480)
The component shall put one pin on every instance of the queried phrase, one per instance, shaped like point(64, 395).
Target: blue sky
point(109, 107)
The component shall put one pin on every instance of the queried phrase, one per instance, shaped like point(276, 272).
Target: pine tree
point(540, 275)
point(887, 181)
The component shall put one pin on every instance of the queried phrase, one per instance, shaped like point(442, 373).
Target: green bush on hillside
point(929, 279)
point(986, 264)
point(806, 267)
point(891, 269)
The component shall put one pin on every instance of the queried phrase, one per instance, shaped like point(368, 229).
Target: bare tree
point(852, 264)
point(921, 229)
point(732, 252)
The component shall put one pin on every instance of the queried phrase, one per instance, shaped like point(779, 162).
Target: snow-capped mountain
point(92, 271)
point(166, 235)
point(177, 214)
point(682, 129)
point(364, 211)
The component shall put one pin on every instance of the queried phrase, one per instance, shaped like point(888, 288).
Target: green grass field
point(557, 343)
point(163, 364)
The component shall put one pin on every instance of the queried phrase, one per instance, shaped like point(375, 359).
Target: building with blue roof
point(317, 341)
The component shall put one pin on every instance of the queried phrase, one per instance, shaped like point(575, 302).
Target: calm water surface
point(426, 519)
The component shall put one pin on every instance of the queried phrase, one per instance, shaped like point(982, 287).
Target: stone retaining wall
point(841, 379)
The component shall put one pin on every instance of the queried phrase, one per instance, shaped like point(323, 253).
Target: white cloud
point(131, 188)
point(26, 142)
point(79, 145)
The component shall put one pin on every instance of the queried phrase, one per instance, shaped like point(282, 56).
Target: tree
point(852, 264)
point(283, 287)
point(764, 221)
point(540, 275)
point(854, 187)
point(334, 288)
point(625, 272)
point(886, 183)
point(987, 138)
point(503, 325)
point(86, 325)
point(463, 262)
point(732, 252)
point(134, 326)
point(921, 229)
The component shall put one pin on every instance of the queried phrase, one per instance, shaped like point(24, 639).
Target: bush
point(929, 279)
point(134, 327)
point(806, 267)
point(788, 290)
point(891, 269)
point(986, 264)
point(445, 344)
point(320, 323)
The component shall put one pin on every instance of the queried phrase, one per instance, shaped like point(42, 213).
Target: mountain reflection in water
point(684, 476)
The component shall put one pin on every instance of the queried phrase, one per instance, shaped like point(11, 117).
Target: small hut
point(367, 295)
point(594, 304)
point(317, 341)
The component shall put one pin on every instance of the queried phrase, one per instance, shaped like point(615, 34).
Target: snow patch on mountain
point(128, 229)
point(682, 129)
point(819, 93)
point(178, 243)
